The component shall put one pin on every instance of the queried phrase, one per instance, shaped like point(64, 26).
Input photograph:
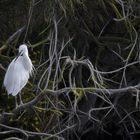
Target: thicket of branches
point(86, 79)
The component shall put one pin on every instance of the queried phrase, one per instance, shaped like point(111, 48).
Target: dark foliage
point(86, 56)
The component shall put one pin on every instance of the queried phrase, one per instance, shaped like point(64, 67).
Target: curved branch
point(30, 133)
point(40, 96)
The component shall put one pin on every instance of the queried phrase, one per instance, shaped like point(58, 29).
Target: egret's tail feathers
point(14, 93)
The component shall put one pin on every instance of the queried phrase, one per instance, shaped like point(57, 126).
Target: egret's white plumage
point(18, 72)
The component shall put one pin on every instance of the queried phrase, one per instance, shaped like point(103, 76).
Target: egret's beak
point(18, 55)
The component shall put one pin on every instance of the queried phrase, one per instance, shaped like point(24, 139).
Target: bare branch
point(19, 31)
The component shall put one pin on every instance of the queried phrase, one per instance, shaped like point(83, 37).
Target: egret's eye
point(21, 54)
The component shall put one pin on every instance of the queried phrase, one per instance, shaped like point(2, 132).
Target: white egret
point(18, 73)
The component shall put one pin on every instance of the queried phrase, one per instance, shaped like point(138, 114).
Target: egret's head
point(23, 49)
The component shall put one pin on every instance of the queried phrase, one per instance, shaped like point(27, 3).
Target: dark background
point(71, 42)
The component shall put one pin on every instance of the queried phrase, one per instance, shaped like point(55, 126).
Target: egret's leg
point(16, 103)
point(21, 103)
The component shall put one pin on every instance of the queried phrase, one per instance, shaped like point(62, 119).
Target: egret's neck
point(27, 62)
point(26, 53)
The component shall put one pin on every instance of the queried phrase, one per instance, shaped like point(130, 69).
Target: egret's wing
point(16, 77)
point(9, 77)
